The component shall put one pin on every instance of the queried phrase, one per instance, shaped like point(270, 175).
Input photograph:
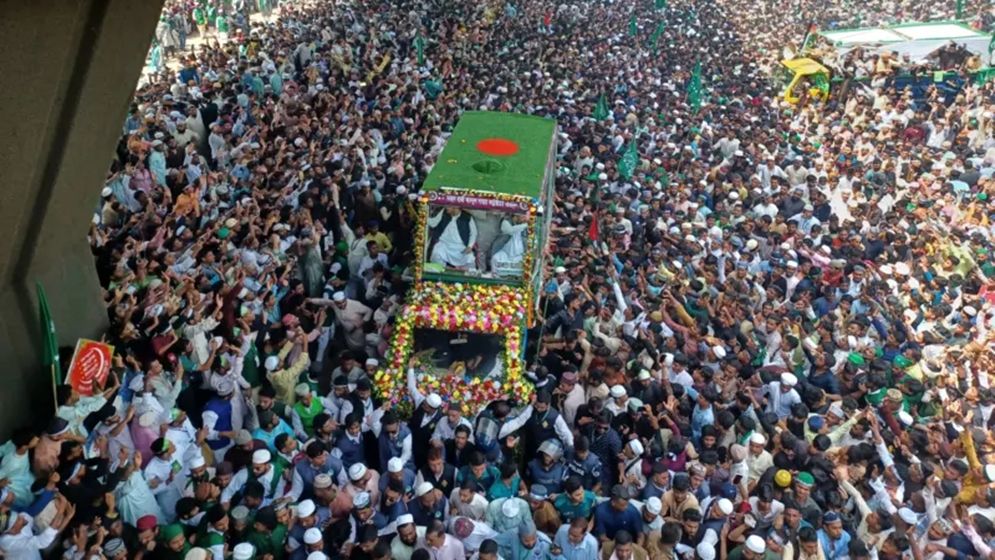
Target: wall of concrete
point(68, 69)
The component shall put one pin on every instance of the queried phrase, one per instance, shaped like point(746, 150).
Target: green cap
point(805, 478)
point(902, 362)
point(855, 359)
point(171, 531)
point(224, 232)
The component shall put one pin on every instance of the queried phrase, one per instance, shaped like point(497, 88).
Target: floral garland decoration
point(485, 309)
point(421, 241)
point(527, 258)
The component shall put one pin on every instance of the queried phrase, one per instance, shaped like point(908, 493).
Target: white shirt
point(26, 545)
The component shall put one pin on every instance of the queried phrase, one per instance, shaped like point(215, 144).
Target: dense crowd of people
point(776, 345)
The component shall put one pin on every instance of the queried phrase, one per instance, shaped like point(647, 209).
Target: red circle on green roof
point(497, 147)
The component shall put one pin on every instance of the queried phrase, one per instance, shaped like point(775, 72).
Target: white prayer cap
point(636, 446)
point(361, 500)
point(261, 457)
point(317, 555)
point(106, 192)
point(197, 462)
point(423, 488)
point(302, 389)
point(372, 362)
point(617, 391)
point(243, 551)
point(758, 439)
point(705, 551)
point(902, 269)
point(725, 506)
point(509, 508)
point(395, 465)
point(404, 519)
point(433, 400)
point(272, 363)
point(756, 544)
point(654, 505)
point(306, 508)
point(312, 536)
point(357, 471)
point(836, 409)
point(719, 351)
point(789, 379)
point(338, 296)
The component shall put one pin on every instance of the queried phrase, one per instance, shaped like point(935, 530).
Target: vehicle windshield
point(475, 243)
point(459, 353)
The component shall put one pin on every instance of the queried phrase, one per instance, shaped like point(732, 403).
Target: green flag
point(633, 27)
point(960, 9)
point(660, 4)
point(630, 159)
point(601, 109)
point(420, 49)
point(50, 345)
point(991, 46)
point(657, 33)
point(694, 88)
point(821, 82)
point(432, 89)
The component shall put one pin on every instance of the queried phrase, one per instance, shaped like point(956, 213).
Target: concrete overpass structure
point(69, 68)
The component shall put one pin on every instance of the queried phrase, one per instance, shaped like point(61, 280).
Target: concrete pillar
point(69, 68)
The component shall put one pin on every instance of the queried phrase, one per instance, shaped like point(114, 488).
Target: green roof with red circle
point(490, 151)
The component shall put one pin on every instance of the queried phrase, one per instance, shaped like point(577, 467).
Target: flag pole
point(55, 388)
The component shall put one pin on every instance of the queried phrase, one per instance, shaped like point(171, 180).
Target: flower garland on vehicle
point(421, 223)
point(484, 309)
point(532, 242)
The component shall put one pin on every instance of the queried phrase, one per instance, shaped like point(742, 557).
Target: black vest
point(539, 428)
point(462, 226)
point(445, 483)
point(420, 435)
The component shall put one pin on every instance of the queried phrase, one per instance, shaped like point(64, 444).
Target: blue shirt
point(586, 550)
point(608, 520)
point(834, 548)
point(700, 418)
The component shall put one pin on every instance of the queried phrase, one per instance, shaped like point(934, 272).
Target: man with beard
point(402, 546)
